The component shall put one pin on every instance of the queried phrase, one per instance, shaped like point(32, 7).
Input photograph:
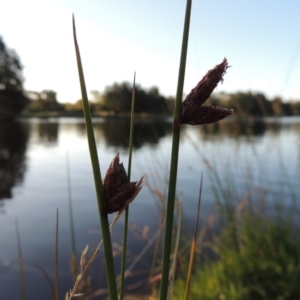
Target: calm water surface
point(239, 161)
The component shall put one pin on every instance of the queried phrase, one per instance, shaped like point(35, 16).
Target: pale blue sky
point(260, 38)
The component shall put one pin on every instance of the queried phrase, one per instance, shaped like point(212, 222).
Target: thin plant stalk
point(193, 246)
point(84, 267)
point(174, 158)
point(142, 253)
point(56, 297)
point(131, 130)
point(175, 267)
point(47, 276)
point(108, 253)
point(73, 259)
point(73, 241)
point(157, 244)
point(21, 264)
point(125, 231)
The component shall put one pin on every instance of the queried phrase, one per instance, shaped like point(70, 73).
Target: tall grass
point(111, 194)
point(109, 262)
point(174, 157)
point(173, 172)
point(125, 233)
point(265, 265)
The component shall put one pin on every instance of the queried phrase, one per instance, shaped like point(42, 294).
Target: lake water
point(239, 160)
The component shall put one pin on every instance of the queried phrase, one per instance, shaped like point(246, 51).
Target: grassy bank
point(252, 256)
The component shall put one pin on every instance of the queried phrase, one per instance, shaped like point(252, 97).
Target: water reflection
point(116, 132)
point(48, 132)
point(13, 145)
point(248, 128)
point(236, 128)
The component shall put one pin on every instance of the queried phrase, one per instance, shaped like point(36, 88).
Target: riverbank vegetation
point(254, 255)
point(115, 100)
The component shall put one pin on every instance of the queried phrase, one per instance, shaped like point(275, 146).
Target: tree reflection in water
point(13, 145)
point(115, 131)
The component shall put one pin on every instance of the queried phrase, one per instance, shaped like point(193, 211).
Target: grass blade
point(131, 130)
point(109, 262)
point(174, 157)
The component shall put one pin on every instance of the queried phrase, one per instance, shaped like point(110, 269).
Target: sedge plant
point(116, 192)
point(191, 111)
point(125, 232)
point(174, 158)
point(109, 262)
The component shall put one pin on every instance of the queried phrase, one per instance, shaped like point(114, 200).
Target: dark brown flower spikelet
point(192, 110)
point(118, 191)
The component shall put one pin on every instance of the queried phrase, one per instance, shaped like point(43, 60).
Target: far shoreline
point(106, 115)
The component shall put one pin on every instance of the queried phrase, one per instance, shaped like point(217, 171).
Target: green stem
point(125, 232)
point(174, 158)
point(124, 253)
point(56, 260)
point(21, 264)
point(108, 253)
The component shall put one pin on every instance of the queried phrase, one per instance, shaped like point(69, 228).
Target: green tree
point(252, 104)
point(117, 98)
point(12, 98)
point(44, 101)
point(256, 104)
point(282, 108)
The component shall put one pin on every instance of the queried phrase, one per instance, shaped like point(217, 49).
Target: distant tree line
point(116, 98)
point(44, 101)
point(255, 104)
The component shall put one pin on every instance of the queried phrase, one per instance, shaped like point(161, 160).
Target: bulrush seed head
point(192, 110)
point(118, 191)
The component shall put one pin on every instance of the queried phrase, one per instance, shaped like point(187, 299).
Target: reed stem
point(108, 253)
point(125, 232)
point(174, 158)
